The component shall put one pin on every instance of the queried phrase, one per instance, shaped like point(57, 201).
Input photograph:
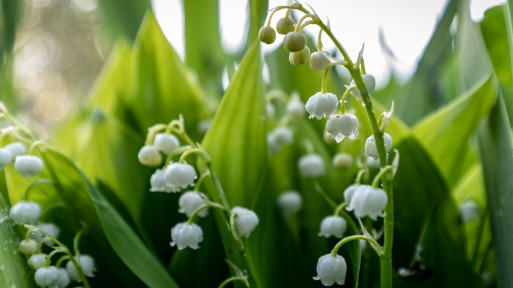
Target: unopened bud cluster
point(26, 165)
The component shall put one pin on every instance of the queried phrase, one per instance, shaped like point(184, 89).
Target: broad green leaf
point(162, 87)
point(496, 151)
point(497, 32)
point(427, 218)
point(128, 246)
point(14, 270)
point(445, 134)
point(236, 141)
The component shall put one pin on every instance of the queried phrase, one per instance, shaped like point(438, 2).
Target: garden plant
point(311, 177)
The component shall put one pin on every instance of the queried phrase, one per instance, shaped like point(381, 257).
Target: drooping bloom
point(312, 165)
point(331, 269)
point(368, 201)
point(87, 265)
point(245, 220)
point(47, 276)
point(342, 125)
point(190, 201)
point(25, 212)
point(290, 201)
point(180, 176)
point(185, 235)
point(333, 226)
point(149, 155)
point(370, 145)
point(370, 83)
point(28, 166)
point(321, 105)
point(166, 143)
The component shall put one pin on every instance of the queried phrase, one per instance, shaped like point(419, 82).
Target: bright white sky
point(407, 26)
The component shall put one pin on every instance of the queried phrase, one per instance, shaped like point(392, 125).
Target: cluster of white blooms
point(25, 212)
point(150, 155)
point(26, 165)
point(366, 200)
point(52, 276)
point(175, 177)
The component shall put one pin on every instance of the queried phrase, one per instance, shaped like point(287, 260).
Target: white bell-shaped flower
point(25, 212)
point(64, 280)
point(28, 165)
point(149, 155)
point(28, 247)
point(334, 226)
point(331, 269)
point(342, 161)
point(179, 176)
point(351, 190)
point(166, 143)
point(158, 182)
point(321, 105)
point(290, 202)
point(370, 145)
point(5, 157)
point(283, 135)
point(47, 277)
point(15, 149)
point(87, 265)
point(320, 60)
point(311, 165)
point(190, 201)
point(185, 235)
point(342, 125)
point(245, 220)
point(370, 83)
point(295, 108)
point(37, 261)
point(469, 211)
point(368, 201)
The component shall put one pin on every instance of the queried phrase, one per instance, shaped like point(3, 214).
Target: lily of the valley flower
point(185, 235)
point(321, 105)
point(331, 269)
point(342, 125)
point(334, 226)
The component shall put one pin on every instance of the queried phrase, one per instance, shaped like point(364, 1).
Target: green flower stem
point(343, 99)
point(380, 175)
point(152, 131)
point(324, 85)
point(359, 176)
point(334, 252)
point(211, 204)
point(200, 180)
point(233, 279)
point(299, 26)
point(65, 250)
point(33, 184)
point(339, 208)
point(76, 241)
point(324, 195)
point(191, 151)
point(386, 258)
point(235, 232)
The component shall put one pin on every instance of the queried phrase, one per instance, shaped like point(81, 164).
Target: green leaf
point(236, 141)
point(128, 246)
point(446, 133)
point(14, 270)
point(162, 87)
point(123, 24)
point(496, 151)
point(427, 218)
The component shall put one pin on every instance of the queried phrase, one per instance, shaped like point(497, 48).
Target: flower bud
point(311, 165)
point(285, 26)
point(267, 34)
point(370, 83)
point(166, 143)
point(150, 156)
point(179, 176)
point(64, 280)
point(331, 269)
point(190, 201)
point(300, 57)
point(87, 265)
point(16, 149)
point(28, 247)
point(367, 201)
point(37, 261)
point(294, 41)
point(185, 235)
point(245, 220)
point(469, 211)
point(372, 163)
point(295, 108)
point(5, 157)
point(47, 276)
point(328, 138)
point(342, 125)
point(342, 161)
point(370, 145)
point(28, 166)
point(333, 226)
point(283, 135)
point(321, 105)
point(320, 60)
point(25, 212)
point(290, 202)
